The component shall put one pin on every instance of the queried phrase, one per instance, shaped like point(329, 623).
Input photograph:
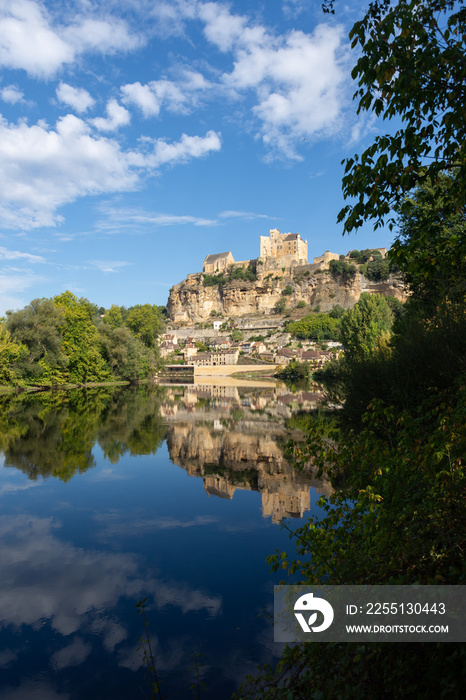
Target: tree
point(280, 306)
point(114, 316)
point(126, 356)
point(80, 339)
point(430, 247)
point(363, 326)
point(318, 327)
point(376, 270)
point(11, 354)
point(39, 326)
point(412, 66)
point(237, 335)
point(337, 311)
point(145, 320)
point(340, 269)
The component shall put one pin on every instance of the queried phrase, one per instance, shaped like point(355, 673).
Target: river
point(173, 494)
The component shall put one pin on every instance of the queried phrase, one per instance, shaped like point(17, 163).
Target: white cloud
point(74, 654)
point(78, 98)
point(143, 97)
point(299, 81)
point(12, 94)
point(125, 218)
point(171, 16)
point(180, 96)
point(293, 8)
point(42, 168)
point(242, 215)
point(6, 254)
point(108, 266)
point(116, 116)
point(105, 36)
point(221, 27)
point(13, 285)
point(29, 41)
point(186, 148)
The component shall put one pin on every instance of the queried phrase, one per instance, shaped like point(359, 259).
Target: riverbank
point(5, 389)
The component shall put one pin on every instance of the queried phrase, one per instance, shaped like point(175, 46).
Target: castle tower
point(284, 248)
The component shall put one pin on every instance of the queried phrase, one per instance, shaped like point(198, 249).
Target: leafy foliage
point(146, 322)
point(63, 340)
point(237, 335)
point(247, 274)
point(317, 327)
point(11, 355)
point(340, 269)
point(411, 66)
point(376, 270)
point(430, 247)
point(280, 306)
point(295, 371)
point(398, 519)
point(39, 328)
point(365, 324)
point(80, 340)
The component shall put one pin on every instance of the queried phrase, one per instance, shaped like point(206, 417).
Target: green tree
point(39, 327)
point(342, 270)
point(337, 311)
point(411, 66)
point(280, 306)
point(127, 357)
point(396, 518)
point(317, 327)
point(377, 269)
point(114, 316)
point(80, 340)
point(363, 326)
point(430, 247)
point(237, 335)
point(11, 355)
point(146, 322)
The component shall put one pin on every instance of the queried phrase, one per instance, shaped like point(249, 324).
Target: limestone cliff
point(191, 301)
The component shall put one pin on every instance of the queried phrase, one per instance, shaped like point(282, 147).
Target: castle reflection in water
point(233, 435)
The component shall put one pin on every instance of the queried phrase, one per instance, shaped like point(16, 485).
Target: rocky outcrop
point(191, 301)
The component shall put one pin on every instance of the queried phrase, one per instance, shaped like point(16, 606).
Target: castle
point(276, 251)
point(285, 248)
point(280, 252)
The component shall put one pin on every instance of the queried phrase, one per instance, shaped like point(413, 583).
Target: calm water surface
point(173, 494)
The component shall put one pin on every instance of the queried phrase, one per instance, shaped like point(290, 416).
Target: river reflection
point(120, 522)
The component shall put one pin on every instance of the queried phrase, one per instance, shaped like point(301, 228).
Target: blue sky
point(138, 137)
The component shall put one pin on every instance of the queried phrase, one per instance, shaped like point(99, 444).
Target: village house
point(218, 358)
point(167, 348)
point(189, 350)
point(285, 355)
point(258, 347)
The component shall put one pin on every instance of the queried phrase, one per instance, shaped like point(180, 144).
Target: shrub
point(340, 269)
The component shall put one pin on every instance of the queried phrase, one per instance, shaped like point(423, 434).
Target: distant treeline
point(66, 340)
